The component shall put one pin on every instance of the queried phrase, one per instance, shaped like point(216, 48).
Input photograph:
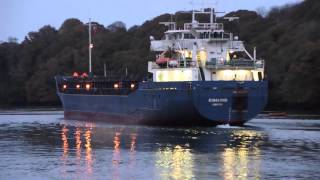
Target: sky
point(18, 17)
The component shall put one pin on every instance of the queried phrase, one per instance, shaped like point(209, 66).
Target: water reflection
point(132, 153)
point(36, 146)
point(65, 144)
point(175, 163)
point(77, 141)
point(77, 135)
point(241, 160)
point(116, 157)
point(65, 148)
point(133, 137)
point(238, 150)
point(87, 136)
point(116, 151)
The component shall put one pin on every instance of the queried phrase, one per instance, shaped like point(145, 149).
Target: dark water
point(42, 145)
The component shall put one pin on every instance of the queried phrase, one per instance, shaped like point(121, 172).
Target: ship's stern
point(230, 102)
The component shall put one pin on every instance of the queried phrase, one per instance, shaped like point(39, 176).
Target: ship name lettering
point(218, 100)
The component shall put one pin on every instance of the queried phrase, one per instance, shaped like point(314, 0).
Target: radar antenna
point(231, 18)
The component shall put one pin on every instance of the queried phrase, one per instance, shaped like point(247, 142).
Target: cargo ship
point(201, 75)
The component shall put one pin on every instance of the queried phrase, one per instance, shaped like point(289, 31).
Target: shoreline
point(288, 115)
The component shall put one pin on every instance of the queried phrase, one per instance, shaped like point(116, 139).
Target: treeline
point(287, 38)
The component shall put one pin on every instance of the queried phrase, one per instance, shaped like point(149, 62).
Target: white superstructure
point(202, 52)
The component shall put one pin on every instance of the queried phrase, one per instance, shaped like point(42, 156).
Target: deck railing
point(203, 26)
point(215, 64)
point(238, 63)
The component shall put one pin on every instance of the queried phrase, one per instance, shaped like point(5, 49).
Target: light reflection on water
point(236, 161)
point(87, 136)
point(77, 135)
point(175, 163)
point(65, 145)
point(80, 134)
point(34, 146)
point(116, 157)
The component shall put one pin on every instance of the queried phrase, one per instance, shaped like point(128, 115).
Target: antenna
point(192, 4)
point(216, 2)
point(172, 25)
point(204, 5)
point(201, 4)
point(193, 9)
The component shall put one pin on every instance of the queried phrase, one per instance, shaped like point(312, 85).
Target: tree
point(286, 37)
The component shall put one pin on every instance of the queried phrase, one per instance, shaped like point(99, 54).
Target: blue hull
point(173, 103)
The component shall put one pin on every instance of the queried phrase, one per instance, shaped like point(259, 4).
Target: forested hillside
point(288, 38)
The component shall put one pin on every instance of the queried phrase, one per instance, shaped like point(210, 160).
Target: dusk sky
point(18, 17)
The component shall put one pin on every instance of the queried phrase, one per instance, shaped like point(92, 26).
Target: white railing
point(204, 26)
point(181, 64)
point(247, 64)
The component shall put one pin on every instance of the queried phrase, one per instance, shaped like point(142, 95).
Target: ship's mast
point(193, 16)
point(90, 46)
point(211, 16)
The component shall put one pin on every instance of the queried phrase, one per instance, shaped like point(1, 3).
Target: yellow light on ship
point(228, 57)
point(229, 53)
point(174, 75)
point(203, 55)
point(88, 86)
point(64, 86)
point(116, 86)
point(78, 86)
point(132, 86)
point(187, 54)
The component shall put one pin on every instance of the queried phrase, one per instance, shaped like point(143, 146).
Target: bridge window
point(216, 35)
point(172, 37)
point(204, 35)
point(226, 35)
point(188, 36)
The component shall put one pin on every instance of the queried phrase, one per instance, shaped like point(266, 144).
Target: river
point(42, 145)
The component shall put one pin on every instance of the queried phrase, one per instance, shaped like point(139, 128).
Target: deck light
point(75, 74)
point(64, 86)
point(78, 86)
point(116, 86)
point(87, 86)
point(132, 86)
